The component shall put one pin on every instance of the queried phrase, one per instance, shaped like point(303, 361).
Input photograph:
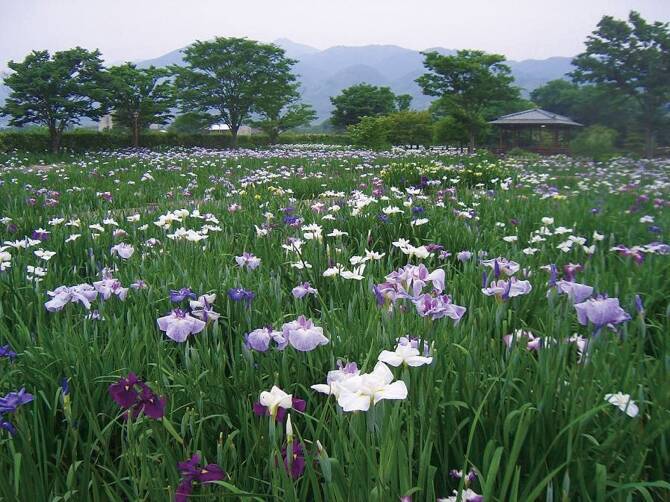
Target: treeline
point(621, 80)
point(620, 88)
point(78, 140)
point(228, 81)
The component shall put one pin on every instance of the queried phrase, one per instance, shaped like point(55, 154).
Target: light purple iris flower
point(409, 282)
point(503, 265)
point(437, 307)
point(303, 335)
point(203, 308)
point(464, 256)
point(577, 293)
point(260, 339)
point(601, 312)
point(178, 325)
point(123, 250)
point(248, 260)
point(302, 290)
point(110, 286)
point(61, 296)
point(504, 290)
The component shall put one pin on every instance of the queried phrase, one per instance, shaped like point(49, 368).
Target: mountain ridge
point(325, 72)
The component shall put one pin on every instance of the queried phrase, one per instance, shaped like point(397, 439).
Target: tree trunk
point(233, 134)
point(471, 142)
point(273, 136)
point(55, 136)
point(649, 141)
point(136, 135)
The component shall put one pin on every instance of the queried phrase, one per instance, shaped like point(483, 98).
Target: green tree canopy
point(365, 100)
point(467, 85)
point(140, 97)
point(279, 109)
point(631, 57)
point(227, 78)
point(56, 91)
point(190, 123)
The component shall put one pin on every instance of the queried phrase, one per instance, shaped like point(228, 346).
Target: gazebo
point(534, 130)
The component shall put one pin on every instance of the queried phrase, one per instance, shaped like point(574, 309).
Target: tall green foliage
point(631, 57)
point(467, 84)
point(55, 91)
point(365, 100)
point(230, 78)
point(140, 97)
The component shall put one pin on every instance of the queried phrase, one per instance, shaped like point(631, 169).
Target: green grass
point(534, 425)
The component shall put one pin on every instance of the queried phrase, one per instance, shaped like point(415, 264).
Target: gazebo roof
point(535, 116)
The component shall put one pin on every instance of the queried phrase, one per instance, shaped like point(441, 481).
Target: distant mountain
point(324, 73)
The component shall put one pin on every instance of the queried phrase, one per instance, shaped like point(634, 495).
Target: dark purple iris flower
point(40, 235)
point(384, 218)
point(241, 294)
point(295, 463)
point(263, 411)
point(6, 351)
point(135, 396)
point(123, 392)
point(191, 472)
point(12, 401)
point(179, 295)
point(8, 426)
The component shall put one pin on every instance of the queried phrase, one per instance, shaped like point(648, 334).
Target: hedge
point(83, 140)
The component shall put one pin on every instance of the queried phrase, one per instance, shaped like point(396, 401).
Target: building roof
point(534, 116)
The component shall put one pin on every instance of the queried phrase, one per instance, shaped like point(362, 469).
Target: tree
point(398, 128)
point(140, 97)
point(468, 84)
point(190, 123)
point(557, 96)
point(595, 142)
point(632, 57)
point(365, 100)
point(226, 78)
point(279, 109)
point(55, 91)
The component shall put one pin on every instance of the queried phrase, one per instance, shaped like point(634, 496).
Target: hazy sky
point(143, 29)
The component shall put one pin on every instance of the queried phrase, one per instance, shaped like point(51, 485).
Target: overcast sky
point(143, 29)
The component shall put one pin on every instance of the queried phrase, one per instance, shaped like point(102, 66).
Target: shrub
point(595, 142)
point(37, 140)
point(400, 128)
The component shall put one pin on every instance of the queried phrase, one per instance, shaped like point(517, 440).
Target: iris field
point(320, 323)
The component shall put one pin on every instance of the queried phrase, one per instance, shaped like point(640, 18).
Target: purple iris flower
point(178, 325)
point(302, 290)
point(12, 401)
point(464, 256)
point(191, 472)
point(504, 290)
point(600, 312)
point(123, 392)
point(149, 404)
point(437, 307)
point(303, 335)
point(570, 271)
point(295, 463)
point(40, 235)
point(263, 411)
point(577, 293)
point(260, 339)
point(384, 218)
point(179, 295)
point(62, 295)
point(241, 294)
point(136, 397)
point(6, 351)
point(8, 426)
point(639, 306)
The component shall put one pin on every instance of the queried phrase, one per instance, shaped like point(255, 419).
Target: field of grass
point(561, 410)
